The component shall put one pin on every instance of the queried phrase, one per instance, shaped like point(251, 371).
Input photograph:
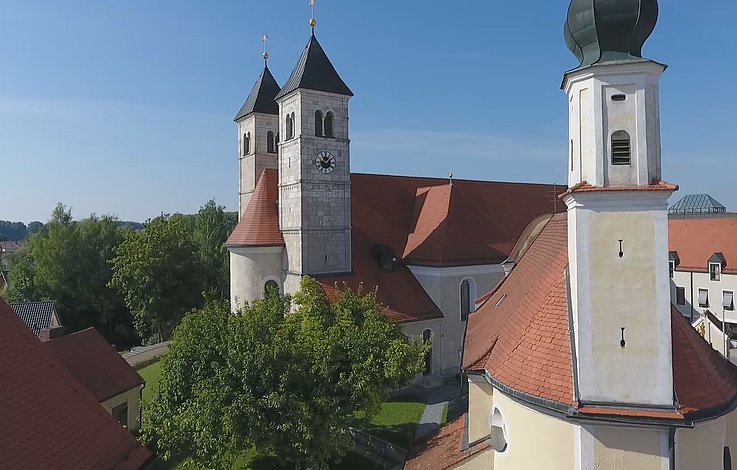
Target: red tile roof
point(259, 225)
point(47, 419)
point(424, 221)
point(696, 240)
point(520, 337)
point(94, 363)
point(442, 449)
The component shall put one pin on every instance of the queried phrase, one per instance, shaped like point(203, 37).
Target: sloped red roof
point(442, 449)
point(520, 336)
point(585, 187)
point(47, 418)
point(94, 363)
point(259, 225)
point(696, 240)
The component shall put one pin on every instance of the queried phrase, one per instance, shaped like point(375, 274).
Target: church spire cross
point(313, 21)
point(265, 39)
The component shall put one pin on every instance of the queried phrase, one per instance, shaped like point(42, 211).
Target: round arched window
point(271, 285)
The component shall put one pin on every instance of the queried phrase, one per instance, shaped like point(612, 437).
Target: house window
point(427, 338)
point(715, 272)
point(671, 269)
point(680, 296)
point(318, 124)
point(498, 432)
point(270, 147)
point(270, 285)
point(246, 144)
point(466, 298)
point(329, 124)
point(120, 412)
point(621, 148)
point(728, 300)
point(704, 298)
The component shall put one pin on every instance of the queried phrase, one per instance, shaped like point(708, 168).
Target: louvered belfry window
point(621, 148)
point(318, 123)
point(270, 148)
point(329, 124)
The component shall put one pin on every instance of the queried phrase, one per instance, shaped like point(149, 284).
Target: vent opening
point(621, 148)
point(619, 97)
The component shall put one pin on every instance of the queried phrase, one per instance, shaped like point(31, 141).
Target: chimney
point(52, 333)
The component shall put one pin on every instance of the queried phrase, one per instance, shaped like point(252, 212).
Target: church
point(578, 359)
point(428, 246)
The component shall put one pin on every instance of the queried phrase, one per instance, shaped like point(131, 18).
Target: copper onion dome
point(609, 30)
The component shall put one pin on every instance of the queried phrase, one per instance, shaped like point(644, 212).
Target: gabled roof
point(520, 338)
point(259, 225)
point(697, 204)
point(262, 97)
point(443, 448)
point(314, 71)
point(48, 419)
point(94, 363)
point(697, 240)
point(36, 315)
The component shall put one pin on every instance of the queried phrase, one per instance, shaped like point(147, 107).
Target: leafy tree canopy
point(286, 379)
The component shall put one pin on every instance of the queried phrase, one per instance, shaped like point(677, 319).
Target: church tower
point(314, 168)
point(258, 134)
point(617, 208)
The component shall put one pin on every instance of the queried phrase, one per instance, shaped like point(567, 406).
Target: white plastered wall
point(250, 267)
point(701, 447)
point(415, 329)
point(480, 407)
point(619, 448)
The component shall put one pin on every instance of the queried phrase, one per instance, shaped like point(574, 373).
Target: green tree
point(157, 270)
point(68, 263)
point(288, 381)
point(211, 228)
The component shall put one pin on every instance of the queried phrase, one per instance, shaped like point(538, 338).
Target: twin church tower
point(294, 179)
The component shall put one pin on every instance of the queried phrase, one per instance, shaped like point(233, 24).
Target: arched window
point(465, 299)
point(270, 285)
point(498, 432)
point(270, 142)
point(290, 126)
point(727, 459)
point(276, 142)
point(246, 144)
point(427, 338)
point(329, 124)
point(318, 123)
point(621, 148)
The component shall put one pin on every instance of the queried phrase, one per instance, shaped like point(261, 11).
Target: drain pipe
point(672, 446)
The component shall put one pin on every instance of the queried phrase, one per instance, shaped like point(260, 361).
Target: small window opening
point(276, 142)
point(728, 300)
point(318, 124)
point(427, 338)
point(120, 413)
point(246, 144)
point(621, 148)
point(290, 126)
point(727, 459)
point(270, 148)
point(619, 97)
point(704, 298)
point(671, 269)
point(715, 272)
point(271, 285)
point(680, 296)
point(329, 124)
point(498, 434)
point(465, 299)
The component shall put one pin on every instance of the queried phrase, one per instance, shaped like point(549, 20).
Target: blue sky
point(126, 107)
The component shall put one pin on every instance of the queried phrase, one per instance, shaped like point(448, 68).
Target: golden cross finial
point(313, 21)
point(265, 39)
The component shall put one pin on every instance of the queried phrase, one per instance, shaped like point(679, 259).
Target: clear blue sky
point(126, 107)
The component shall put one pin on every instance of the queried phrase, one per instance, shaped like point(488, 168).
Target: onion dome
point(599, 31)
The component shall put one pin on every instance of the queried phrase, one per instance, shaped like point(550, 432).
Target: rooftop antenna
point(313, 21)
point(450, 177)
point(265, 39)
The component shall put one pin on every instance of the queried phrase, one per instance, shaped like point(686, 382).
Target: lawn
point(396, 422)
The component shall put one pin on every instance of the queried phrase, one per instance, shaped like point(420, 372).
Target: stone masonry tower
point(258, 135)
point(617, 208)
point(314, 169)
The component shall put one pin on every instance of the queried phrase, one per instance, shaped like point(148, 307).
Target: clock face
point(325, 162)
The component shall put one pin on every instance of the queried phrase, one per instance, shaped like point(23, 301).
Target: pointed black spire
point(262, 97)
point(315, 72)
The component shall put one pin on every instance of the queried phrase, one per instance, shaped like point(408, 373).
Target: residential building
point(578, 359)
point(47, 420)
point(38, 316)
point(429, 245)
point(96, 365)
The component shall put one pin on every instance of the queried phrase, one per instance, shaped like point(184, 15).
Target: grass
point(396, 422)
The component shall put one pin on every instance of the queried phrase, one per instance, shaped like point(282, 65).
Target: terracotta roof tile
point(47, 419)
point(442, 449)
point(520, 337)
point(696, 240)
point(94, 363)
point(259, 225)
point(584, 187)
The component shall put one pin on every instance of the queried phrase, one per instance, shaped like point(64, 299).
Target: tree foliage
point(157, 272)
point(287, 381)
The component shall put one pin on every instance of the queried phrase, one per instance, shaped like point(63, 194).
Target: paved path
point(436, 399)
